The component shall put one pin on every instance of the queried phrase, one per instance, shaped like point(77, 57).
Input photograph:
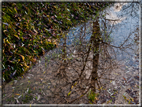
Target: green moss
point(27, 98)
point(26, 30)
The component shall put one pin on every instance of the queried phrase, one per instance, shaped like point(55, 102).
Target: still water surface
point(119, 25)
point(118, 65)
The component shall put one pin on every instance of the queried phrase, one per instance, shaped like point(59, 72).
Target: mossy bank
point(29, 29)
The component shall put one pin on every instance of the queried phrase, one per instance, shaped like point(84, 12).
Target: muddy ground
point(42, 84)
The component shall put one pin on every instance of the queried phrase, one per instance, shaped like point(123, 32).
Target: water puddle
point(110, 61)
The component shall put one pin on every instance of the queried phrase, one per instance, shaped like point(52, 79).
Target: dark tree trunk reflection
point(95, 40)
point(90, 61)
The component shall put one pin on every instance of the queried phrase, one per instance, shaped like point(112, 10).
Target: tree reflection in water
point(87, 67)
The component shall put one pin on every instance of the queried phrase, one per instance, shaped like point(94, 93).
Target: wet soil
point(43, 85)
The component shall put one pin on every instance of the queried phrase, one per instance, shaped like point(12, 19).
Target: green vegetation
point(31, 29)
point(92, 96)
point(27, 98)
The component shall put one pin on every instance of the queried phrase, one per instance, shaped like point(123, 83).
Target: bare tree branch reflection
point(87, 65)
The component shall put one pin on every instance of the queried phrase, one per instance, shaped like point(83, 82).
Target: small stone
point(128, 91)
point(28, 77)
point(136, 77)
point(43, 101)
point(36, 82)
